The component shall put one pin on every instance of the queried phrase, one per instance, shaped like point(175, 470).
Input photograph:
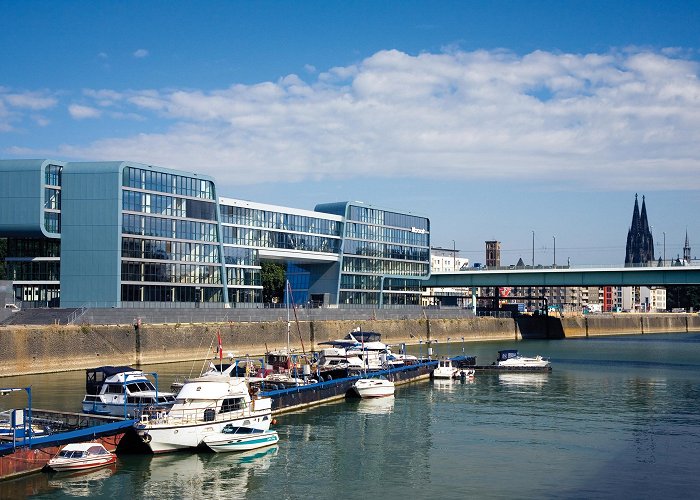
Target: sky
point(499, 120)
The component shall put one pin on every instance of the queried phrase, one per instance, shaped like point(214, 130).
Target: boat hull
point(61, 465)
point(373, 388)
point(167, 435)
point(222, 443)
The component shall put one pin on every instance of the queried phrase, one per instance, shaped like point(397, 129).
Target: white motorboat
point(445, 369)
point(373, 387)
point(121, 391)
point(464, 374)
point(361, 350)
point(511, 358)
point(80, 456)
point(232, 438)
point(204, 406)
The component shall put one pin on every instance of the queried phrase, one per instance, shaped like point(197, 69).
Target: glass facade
point(170, 250)
point(178, 242)
point(380, 248)
point(246, 230)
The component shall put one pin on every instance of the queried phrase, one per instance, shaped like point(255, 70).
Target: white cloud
point(140, 53)
point(80, 112)
point(621, 118)
point(29, 100)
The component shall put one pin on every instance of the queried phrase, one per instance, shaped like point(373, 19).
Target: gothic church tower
point(640, 243)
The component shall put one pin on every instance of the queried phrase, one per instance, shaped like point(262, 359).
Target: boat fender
point(274, 421)
point(146, 438)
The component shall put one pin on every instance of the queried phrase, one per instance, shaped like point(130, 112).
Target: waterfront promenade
point(27, 349)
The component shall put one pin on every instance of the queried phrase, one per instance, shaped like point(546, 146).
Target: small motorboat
point(445, 369)
point(81, 456)
point(464, 374)
point(373, 387)
point(233, 438)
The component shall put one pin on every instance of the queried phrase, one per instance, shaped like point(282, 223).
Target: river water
point(616, 417)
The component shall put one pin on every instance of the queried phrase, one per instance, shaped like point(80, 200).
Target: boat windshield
point(230, 429)
point(71, 454)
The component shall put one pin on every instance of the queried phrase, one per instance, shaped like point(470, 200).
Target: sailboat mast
point(286, 296)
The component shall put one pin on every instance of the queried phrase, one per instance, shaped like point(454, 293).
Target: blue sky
point(495, 119)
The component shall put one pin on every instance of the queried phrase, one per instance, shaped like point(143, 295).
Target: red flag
point(220, 349)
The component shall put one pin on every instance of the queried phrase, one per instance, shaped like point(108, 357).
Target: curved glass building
point(113, 234)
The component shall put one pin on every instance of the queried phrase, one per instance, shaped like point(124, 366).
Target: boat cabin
point(507, 354)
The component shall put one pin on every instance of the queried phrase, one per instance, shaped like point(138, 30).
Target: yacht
point(361, 350)
point(445, 369)
point(512, 358)
point(240, 439)
point(81, 456)
point(204, 406)
point(121, 391)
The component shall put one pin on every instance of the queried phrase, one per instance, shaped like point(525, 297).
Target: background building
point(115, 234)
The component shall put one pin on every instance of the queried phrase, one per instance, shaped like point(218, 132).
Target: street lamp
point(454, 256)
point(555, 251)
point(533, 248)
point(664, 261)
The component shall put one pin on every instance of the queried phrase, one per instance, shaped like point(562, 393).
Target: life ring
point(146, 438)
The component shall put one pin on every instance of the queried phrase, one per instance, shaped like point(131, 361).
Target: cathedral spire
point(640, 241)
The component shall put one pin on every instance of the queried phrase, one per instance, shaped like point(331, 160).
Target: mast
point(286, 298)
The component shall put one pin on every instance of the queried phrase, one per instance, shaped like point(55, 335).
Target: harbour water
point(616, 417)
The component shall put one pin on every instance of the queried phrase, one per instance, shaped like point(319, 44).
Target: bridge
point(566, 276)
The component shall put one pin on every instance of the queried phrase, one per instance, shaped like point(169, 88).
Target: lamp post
point(555, 251)
point(664, 261)
point(448, 347)
point(454, 256)
point(462, 345)
point(533, 249)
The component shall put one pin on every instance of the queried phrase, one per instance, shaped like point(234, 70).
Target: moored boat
point(232, 438)
point(445, 369)
point(373, 387)
point(81, 456)
point(204, 406)
point(121, 391)
point(512, 358)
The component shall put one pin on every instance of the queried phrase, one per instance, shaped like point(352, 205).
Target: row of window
point(52, 222)
point(52, 198)
point(168, 228)
point(275, 239)
point(373, 283)
point(34, 271)
point(354, 247)
point(237, 256)
point(33, 248)
point(384, 218)
point(167, 183)
point(386, 234)
point(243, 276)
point(160, 293)
point(52, 175)
point(170, 273)
point(147, 203)
point(380, 266)
point(135, 248)
point(276, 220)
point(372, 298)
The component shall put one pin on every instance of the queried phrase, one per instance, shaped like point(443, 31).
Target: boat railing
point(211, 413)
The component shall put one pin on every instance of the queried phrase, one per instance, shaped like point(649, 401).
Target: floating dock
point(24, 456)
point(304, 396)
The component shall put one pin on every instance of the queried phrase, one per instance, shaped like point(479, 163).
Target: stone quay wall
point(56, 348)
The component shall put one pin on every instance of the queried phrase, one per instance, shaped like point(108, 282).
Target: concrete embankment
point(54, 348)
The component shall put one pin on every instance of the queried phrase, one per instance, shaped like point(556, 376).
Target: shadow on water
point(540, 327)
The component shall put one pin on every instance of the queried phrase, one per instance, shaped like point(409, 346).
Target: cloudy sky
point(495, 119)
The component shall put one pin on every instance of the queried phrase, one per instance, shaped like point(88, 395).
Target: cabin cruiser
point(445, 369)
point(204, 406)
point(121, 391)
point(511, 358)
point(373, 387)
point(361, 351)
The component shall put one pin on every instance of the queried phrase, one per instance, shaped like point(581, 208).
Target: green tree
point(3, 253)
point(683, 296)
point(272, 276)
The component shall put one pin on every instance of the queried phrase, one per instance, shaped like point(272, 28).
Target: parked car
point(12, 307)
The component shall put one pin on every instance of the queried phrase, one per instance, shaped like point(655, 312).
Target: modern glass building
point(118, 234)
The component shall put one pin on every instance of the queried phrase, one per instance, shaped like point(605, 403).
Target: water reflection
point(89, 483)
point(204, 474)
point(522, 380)
point(376, 406)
